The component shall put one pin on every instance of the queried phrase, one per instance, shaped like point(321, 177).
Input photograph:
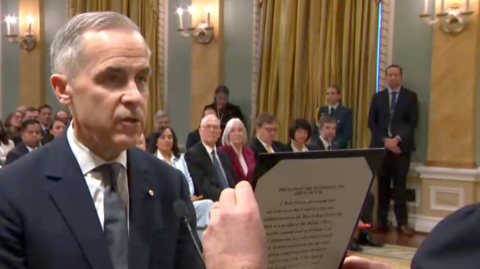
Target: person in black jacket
point(31, 134)
point(224, 109)
point(342, 114)
point(392, 120)
point(265, 130)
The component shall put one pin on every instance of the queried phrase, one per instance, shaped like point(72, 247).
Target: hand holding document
point(310, 203)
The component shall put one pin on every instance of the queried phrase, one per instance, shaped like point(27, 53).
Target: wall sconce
point(452, 20)
point(203, 32)
point(27, 41)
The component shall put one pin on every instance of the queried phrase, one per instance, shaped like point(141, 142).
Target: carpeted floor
point(397, 257)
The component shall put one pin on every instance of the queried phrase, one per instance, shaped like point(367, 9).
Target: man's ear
point(61, 89)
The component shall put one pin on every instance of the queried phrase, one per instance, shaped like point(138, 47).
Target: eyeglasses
point(212, 127)
point(271, 130)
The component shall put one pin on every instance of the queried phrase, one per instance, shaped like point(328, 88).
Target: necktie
point(332, 110)
point(393, 103)
point(115, 228)
point(221, 177)
point(269, 149)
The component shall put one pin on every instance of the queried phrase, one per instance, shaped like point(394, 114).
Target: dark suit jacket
point(18, 151)
point(194, 137)
point(404, 119)
point(318, 145)
point(344, 125)
point(229, 112)
point(453, 243)
point(203, 172)
point(237, 169)
point(48, 219)
point(47, 139)
point(258, 147)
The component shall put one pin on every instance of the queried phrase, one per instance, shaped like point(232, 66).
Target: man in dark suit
point(209, 167)
point(265, 130)
point(392, 120)
point(31, 135)
point(45, 118)
point(327, 130)
point(90, 199)
point(342, 114)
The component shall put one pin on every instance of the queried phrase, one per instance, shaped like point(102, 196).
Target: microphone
point(181, 211)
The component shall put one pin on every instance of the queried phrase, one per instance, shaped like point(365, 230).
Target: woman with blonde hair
point(234, 142)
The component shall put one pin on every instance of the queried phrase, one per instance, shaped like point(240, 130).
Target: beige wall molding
point(420, 223)
point(436, 192)
point(451, 174)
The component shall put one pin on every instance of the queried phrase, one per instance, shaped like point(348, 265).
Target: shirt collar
point(397, 90)
point(295, 149)
point(325, 143)
point(160, 156)
point(334, 107)
point(86, 159)
point(209, 149)
point(29, 148)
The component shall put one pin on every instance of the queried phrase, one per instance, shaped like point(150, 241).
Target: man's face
point(267, 132)
point(57, 128)
point(333, 97)
point(32, 135)
point(210, 130)
point(328, 131)
point(45, 116)
point(394, 78)
point(31, 115)
point(221, 99)
point(108, 96)
point(162, 122)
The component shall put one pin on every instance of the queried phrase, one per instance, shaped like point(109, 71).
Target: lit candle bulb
point(208, 9)
point(426, 7)
point(467, 5)
point(30, 20)
point(10, 20)
point(180, 16)
point(191, 9)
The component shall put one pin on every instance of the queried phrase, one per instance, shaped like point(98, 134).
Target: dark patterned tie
point(115, 228)
point(393, 103)
point(332, 110)
point(221, 177)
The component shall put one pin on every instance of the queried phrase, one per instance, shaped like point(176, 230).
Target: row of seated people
point(210, 166)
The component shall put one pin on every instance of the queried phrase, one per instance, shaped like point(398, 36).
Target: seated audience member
point(13, 124)
point(265, 130)
point(31, 135)
point(165, 147)
point(194, 137)
point(142, 144)
point(327, 127)
point(162, 120)
point(299, 134)
point(224, 109)
point(31, 114)
point(209, 167)
point(56, 129)
point(342, 114)
point(5, 144)
point(22, 109)
point(45, 118)
point(234, 142)
point(63, 115)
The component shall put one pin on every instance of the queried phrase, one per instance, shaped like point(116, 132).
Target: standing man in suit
point(392, 120)
point(210, 168)
point(90, 199)
point(265, 130)
point(31, 135)
point(342, 114)
point(45, 118)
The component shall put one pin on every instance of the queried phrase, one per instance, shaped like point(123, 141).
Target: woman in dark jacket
point(225, 110)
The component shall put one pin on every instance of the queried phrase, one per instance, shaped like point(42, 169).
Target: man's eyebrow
point(145, 71)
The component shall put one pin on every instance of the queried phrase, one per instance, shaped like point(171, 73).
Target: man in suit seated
point(31, 134)
point(90, 199)
point(210, 168)
point(162, 120)
point(342, 114)
point(194, 137)
point(327, 129)
point(265, 130)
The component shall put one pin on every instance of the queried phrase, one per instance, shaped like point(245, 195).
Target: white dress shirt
point(325, 143)
point(88, 161)
point(265, 145)
point(209, 151)
point(5, 148)
point(330, 108)
point(303, 149)
point(180, 164)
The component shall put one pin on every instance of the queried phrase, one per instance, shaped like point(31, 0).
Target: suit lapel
point(72, 198)
point(144, 215)
point(259, 146)
point(236, 162)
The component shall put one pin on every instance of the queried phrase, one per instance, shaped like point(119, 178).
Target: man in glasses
point(265, 130)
